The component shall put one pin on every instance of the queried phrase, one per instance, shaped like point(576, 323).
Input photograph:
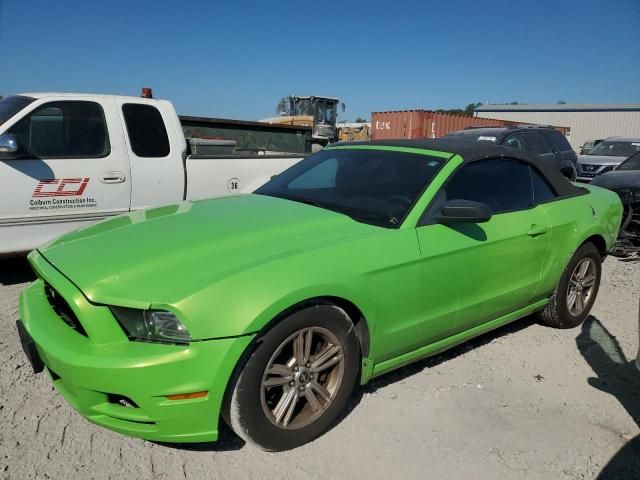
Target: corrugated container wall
point(413, 124)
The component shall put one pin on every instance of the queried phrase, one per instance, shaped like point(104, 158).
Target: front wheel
point(576, 292)
point(297, 380)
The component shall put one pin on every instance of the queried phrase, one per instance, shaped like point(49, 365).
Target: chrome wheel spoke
point(284, 405)
point(279, 370)
point(277, 381)
point(298, 348)
point(571, 300)
point(583, 268)
point(308, 339)
point(322, 392)
point(328, 358)
point(579, 302)
point(589, 280)
point(312, 399)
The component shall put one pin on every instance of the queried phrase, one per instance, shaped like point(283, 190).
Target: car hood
point(626, 183)
point(600, 160)
point(151, 256)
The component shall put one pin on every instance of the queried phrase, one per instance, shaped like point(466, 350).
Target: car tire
point(576, 292)
point(296, 381)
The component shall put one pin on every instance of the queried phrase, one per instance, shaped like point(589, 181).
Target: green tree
point(361, 120)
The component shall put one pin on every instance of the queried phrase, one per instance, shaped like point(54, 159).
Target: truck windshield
point(11, 105)
point(304, 107)
point(615, 148)
point(377, 187)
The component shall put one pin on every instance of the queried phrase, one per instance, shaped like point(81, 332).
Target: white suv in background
point(606, 156)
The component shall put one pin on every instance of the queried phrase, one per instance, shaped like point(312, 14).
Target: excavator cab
point(323, 112)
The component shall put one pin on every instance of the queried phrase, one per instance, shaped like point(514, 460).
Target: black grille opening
point(63, 310)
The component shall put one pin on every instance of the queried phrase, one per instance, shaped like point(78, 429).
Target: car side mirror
point(464, 211)
point(8, 146)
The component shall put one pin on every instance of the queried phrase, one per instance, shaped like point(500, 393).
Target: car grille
point(587, 170)
point(62, 309)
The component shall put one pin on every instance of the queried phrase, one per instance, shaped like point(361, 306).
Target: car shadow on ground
point(617, 376)
point(15, 270)
point(229, 441)
point(407, 371)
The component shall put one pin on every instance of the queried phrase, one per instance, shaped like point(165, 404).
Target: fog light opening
point(185, 396)
point(121, 400)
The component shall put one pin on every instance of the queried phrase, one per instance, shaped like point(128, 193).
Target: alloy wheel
point(581, 286)
point(302, 378)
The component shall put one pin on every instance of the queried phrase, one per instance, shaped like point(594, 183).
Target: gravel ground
point(525, 401)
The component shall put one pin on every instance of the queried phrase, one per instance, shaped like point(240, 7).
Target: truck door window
point(66, 129)
point(147, 133)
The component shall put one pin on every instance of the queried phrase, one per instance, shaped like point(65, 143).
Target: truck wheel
point(574, 296)
point(297, 380)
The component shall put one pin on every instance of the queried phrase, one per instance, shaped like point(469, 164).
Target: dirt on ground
point(525, 401)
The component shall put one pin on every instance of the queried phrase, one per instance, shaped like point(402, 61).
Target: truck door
point(153, 144)
point(71, 169)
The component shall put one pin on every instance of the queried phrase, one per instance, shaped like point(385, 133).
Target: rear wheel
point(297, 381)
point(576, 292)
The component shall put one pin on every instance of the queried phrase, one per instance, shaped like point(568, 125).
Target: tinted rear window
point(147, 133)
point(558, 141)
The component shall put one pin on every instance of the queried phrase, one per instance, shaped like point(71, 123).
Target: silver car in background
point(605, 156)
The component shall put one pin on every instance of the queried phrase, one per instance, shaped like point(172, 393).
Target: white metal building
point(586, 121)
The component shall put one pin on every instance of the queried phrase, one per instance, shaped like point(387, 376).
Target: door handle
point(112, 177)
point(536, 230)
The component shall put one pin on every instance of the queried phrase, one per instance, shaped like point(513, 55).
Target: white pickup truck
point(70, 159)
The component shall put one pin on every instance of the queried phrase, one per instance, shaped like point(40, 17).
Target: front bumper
point(95, 371)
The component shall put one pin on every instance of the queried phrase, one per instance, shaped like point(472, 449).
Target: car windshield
point(616, 148)
point(11, 105)
point(378, 187)
point(632, 163)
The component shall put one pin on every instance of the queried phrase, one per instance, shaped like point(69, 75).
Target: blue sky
point(235, 59)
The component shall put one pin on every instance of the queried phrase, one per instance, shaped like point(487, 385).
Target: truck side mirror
point(343, 107)
point(8, 146)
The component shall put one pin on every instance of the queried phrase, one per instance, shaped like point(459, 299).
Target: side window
point(322, 175)
point(558, 141)
point(504, 185)
point(147, 133)
point(536, 144)
point(515, 141)
point(542, 191)
point(67, 129)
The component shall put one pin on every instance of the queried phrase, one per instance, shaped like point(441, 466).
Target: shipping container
point(414, 124)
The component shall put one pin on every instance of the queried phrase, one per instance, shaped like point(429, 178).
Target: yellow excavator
point(319, 113)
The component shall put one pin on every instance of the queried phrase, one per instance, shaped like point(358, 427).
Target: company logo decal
point(48, 192)
point(61, 187)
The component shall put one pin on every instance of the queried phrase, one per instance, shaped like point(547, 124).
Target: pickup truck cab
point(67, 160)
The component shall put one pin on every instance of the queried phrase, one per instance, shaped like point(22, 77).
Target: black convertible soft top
point(472, 151)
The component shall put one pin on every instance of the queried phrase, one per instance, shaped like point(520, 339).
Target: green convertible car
point(267, 309)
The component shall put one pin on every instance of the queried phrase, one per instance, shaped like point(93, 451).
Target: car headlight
point(151, 325)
